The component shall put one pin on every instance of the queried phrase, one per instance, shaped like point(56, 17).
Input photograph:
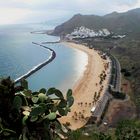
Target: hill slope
point(122, 23)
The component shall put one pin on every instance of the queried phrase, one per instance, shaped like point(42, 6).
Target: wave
point(39, 66)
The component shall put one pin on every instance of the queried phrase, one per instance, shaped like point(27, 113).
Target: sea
point(18, 55)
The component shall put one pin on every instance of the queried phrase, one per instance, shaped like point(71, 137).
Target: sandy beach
point(88, 89)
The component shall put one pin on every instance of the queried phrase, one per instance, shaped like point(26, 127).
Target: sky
point(34, 11)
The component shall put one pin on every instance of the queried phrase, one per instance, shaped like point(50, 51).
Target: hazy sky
point(24, 11)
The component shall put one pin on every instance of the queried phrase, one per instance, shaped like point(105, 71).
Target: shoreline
point(86, 87)
point(79, 48)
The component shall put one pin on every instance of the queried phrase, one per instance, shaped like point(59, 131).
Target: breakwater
point(51, 42)
point(38, 32)
point(39, 66)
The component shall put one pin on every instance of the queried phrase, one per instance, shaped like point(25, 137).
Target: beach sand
point(85, 88)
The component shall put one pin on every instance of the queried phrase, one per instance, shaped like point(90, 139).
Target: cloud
point(127, 2)
point(41, 10)
point(12, 15)
point(88, 6)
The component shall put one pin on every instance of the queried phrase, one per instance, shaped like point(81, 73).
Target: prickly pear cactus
point(27, 115)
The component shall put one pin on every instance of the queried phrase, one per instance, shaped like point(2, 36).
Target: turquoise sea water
point(18, 55)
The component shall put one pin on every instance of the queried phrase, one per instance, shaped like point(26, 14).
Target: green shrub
point(100, 136)
point(127, 74)
point(27, 115)
point(118, 95)
point(123, 70)
point(128, 130)
point(75, 135)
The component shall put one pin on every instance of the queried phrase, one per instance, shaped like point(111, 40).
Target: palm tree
point(80, 113)
point(90, 104)
point(82, 116)
point(75, 113)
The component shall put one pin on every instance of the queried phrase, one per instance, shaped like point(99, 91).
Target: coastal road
point(116, 81)
point(118, 75)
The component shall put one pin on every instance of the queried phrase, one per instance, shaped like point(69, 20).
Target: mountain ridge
point(122, 23)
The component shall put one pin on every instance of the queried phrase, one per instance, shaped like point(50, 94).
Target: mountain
point(120, 23)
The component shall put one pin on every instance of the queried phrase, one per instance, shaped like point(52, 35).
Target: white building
point(83, 32)
point(106, 32)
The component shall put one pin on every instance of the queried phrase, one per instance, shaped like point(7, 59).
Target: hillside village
point(83, 32)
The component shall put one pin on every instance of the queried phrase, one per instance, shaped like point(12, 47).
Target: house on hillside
point(83, 32)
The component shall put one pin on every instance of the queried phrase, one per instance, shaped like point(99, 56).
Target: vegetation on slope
point(125, 130)
point(27, 115)
point(127, 51)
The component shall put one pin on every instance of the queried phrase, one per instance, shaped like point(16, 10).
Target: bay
point(18, 55)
